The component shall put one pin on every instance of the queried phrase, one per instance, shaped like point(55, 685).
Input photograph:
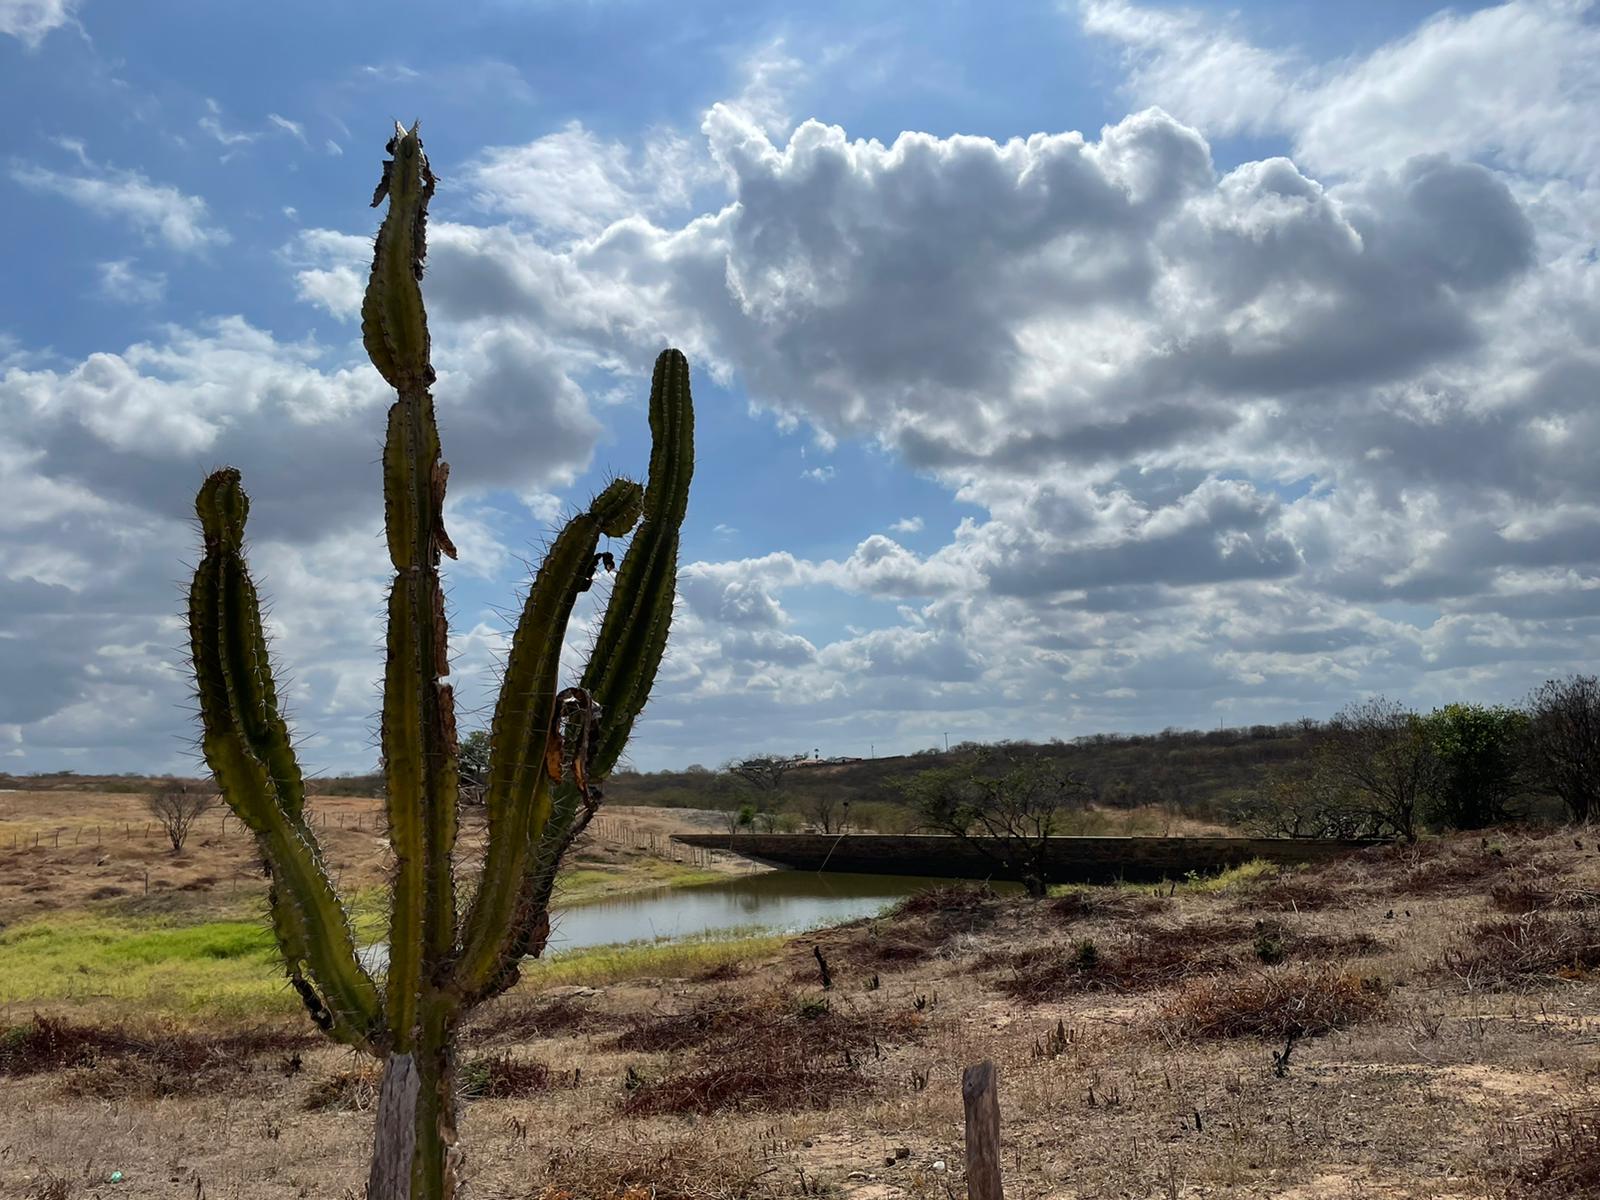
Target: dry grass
point(1566, 1166)
point(1273, 1003)
point(1158, 1083)
point(774, 1053)
point(114, 1063)
point(502, 1077)
point(1537, 891)
point(1106, 904)
point(520, 1018)
point(681, 1165)
point(1527, 949)
point(354, 1089)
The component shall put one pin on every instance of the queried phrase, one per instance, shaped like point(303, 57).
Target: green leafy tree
point(473, 764)
point(1481, 752)
point(549, 747)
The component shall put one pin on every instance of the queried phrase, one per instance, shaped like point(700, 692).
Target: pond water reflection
point(772, 902)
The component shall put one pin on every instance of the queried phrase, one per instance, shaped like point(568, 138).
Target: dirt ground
point(1412, 1022)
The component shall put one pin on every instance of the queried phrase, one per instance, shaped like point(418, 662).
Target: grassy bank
point(140, 969)
point(138, 961)
point(587, 884)
point(144, 968)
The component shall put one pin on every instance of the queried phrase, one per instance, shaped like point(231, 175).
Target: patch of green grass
point(170, 966)
point(1247, 872)
point(145, 967)
point(596, 965)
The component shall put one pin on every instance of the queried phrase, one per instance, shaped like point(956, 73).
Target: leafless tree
point(1009, 809)
point(828, 809)
point(1379, 754)
point(178, 808)
point(1564, 732)
point(1296, 803)
point(764, 772)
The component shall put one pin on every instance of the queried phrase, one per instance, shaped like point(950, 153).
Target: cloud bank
point(1242, 441)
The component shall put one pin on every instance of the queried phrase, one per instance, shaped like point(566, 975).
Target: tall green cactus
point(549, 748)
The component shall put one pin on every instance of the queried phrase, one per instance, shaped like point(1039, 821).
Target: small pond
point(770, 902)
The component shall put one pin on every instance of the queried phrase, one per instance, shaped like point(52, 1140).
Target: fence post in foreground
point(981, 1098)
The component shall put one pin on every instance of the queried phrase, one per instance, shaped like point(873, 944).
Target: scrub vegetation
point(1415, 1020)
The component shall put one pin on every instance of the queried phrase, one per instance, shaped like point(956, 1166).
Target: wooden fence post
point(981, 1099)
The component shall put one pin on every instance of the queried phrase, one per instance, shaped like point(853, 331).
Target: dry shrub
point(919, 928)
point(48, 1044)
point(501, 1077)
point(1329, 946)
point(716, 1016)
point(1533, 891)
point(111, 1062)
point(1449, 866)
point(47, 1185)
point(1151, 958)
point(904, 951)
point(1106, 904)
point(351, 1090)
point(492, 1077)
point(1305, 890)
point(895, 940)
point(1567, 1166)
point(1523, 949)
point(766, 1076)
point(771, 1055)
point(1459, 864)
point(512, 1022)
point(678, 1167)
point(948, 899)
point(813, 1025)
point(1273, 1003)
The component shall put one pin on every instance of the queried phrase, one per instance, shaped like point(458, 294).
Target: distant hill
point(1197, 773)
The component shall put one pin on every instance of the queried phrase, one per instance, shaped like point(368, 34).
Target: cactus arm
point(418, 729)
point(517, 788)
point(246, 744)
point(633, 634)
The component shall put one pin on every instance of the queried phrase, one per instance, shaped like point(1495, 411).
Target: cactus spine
point(549, 748)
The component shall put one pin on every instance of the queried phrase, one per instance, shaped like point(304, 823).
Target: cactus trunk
point(549, 748)
point(414, 1154)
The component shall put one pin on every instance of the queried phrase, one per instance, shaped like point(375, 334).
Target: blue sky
point(1271, 390)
